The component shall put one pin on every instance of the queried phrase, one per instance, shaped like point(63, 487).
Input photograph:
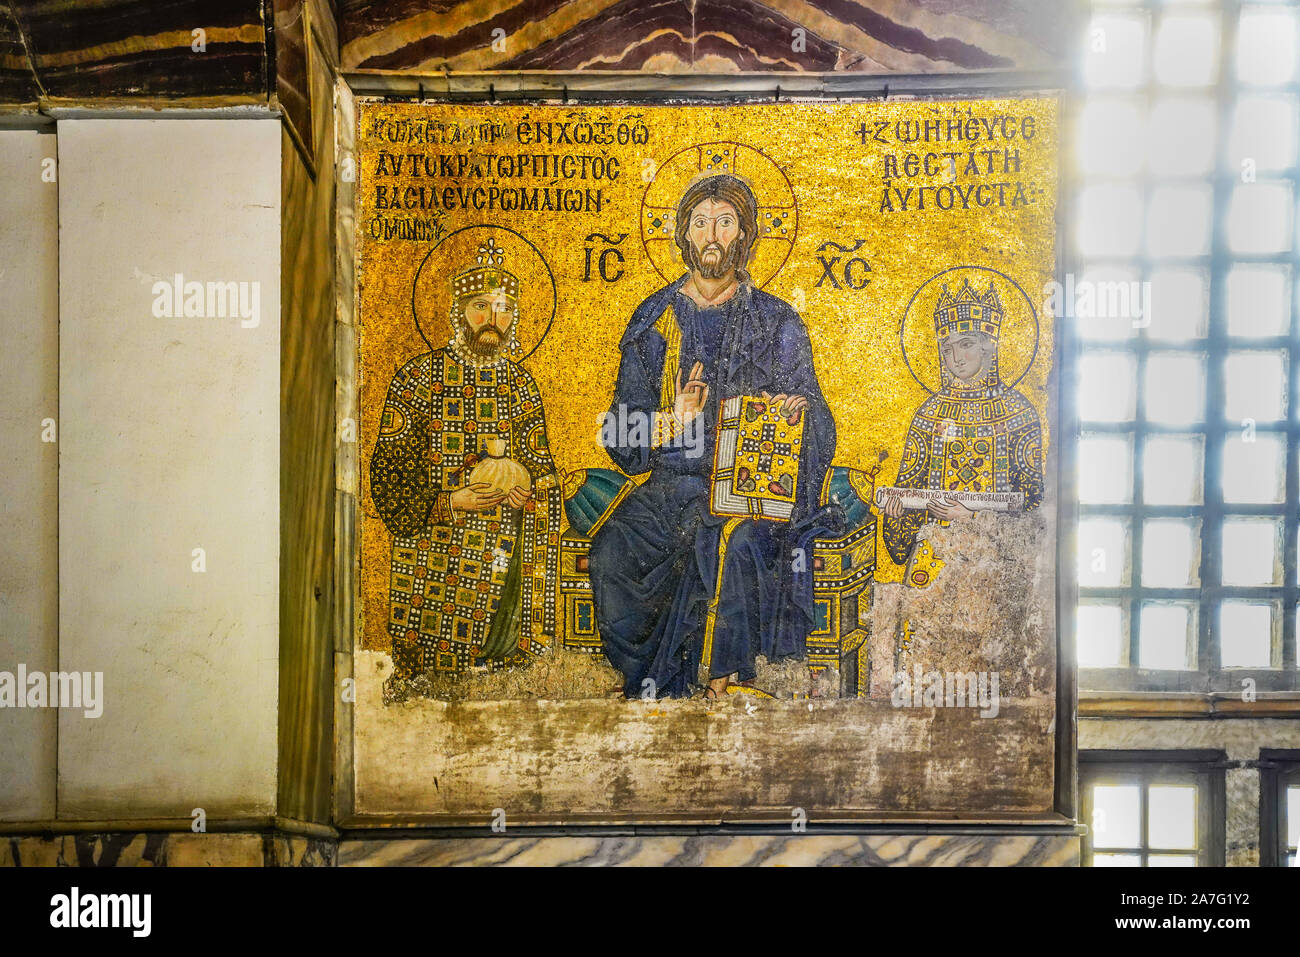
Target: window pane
point(1171, 471)
point(1171, 817)
point(1293, 816)
point(1166, 634)
point(1258, 301)
point(1103, 553)
point(1266, 46)
point(1255, 384)
point(1116, 860)
point(1110, 220)
point(1170, 553)
point(1250, 551)
point(1252, 468)
point(1105, 469)
point(1186, 49)
point(1116, 815)
point(1099, 638)
point(1174, 393)
point(1107, 386)
point(1245, 634)
point(1179, 304)
point(1103, 300)
point(1178, 223)
point(1115, 54)
point(1259, 218)
point(1171, 860)
point(1110, 137)
point(1181, 137)
point(1263, 131)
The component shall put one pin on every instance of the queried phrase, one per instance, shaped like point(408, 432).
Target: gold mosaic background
point(819, 171)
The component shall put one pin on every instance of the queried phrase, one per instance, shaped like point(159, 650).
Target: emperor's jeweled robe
point(467, 588)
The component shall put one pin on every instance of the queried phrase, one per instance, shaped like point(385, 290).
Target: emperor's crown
point(488, 274)
point(968, 311)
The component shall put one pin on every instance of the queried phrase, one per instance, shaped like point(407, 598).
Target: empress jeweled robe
point(980, 438)
point(467, 588)
point(683, 595)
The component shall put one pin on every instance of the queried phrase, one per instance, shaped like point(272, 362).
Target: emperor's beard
point(487, 343)
point(729, 260)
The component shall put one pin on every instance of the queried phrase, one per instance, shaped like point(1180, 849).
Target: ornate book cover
point(756, 459)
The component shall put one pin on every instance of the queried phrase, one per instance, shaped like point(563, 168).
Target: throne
point(843, 570)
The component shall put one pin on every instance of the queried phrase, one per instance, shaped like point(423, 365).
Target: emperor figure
point(475, 553)
point(687, 599)
point(976, 434)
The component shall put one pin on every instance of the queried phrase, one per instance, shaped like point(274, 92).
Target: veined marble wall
point(209, 51)
point(708, 36)
point(308, 430)
point(156, 849)
point(883, 850)
point(808, 850)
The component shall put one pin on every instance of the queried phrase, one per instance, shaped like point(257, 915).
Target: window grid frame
point(1205, 770)
point(1279, 769)
point(1207, 598)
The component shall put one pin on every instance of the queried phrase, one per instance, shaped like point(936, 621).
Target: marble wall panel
point(134, 49)
point(809, 850)
point(708, 36)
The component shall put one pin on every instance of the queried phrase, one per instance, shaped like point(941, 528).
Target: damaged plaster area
point(562, 674)
point(691, 759)
point(991, 608)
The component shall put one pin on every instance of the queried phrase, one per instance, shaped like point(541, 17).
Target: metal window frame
point(1205, 769)
point(1208, 596)
point(1279, 769)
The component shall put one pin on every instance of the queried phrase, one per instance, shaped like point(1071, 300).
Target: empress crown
point(968, 311)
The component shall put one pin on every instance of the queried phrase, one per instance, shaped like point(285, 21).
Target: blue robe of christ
point(654, 562)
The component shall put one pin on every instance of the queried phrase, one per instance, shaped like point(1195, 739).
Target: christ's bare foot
point(717, 687)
